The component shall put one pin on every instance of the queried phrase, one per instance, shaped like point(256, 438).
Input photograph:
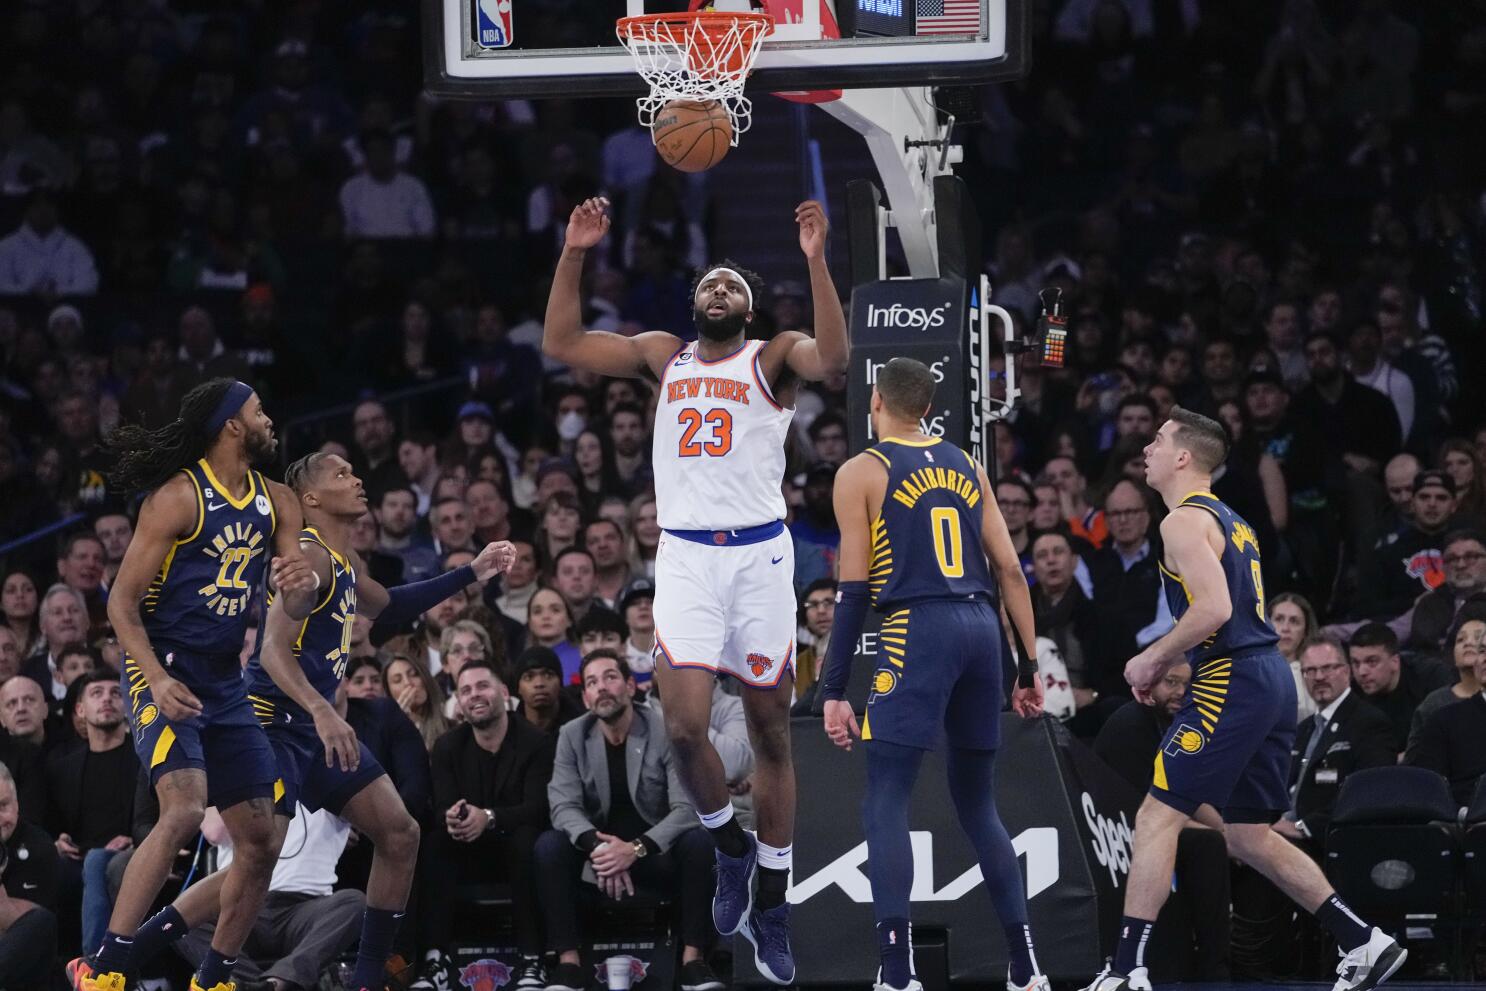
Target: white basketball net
point(697, 57)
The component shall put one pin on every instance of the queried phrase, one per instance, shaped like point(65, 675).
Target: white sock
point(718, 819)
point(776, 858)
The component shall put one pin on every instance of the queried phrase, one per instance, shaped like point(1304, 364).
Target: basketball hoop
point(701, 57)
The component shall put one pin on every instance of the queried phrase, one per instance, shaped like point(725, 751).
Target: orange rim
point(705, 36)
point(714, 24)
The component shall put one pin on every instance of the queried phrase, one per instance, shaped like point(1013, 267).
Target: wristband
point(846, 630)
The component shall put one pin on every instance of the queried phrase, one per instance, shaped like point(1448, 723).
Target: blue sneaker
point(734, 898)
point(769, 934)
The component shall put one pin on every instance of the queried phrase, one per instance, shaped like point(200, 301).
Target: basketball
point(690, 136)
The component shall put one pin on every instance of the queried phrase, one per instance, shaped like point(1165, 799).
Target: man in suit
point(1346, 735)
point(1127, 588)
point(621, 820)
point(490, 777)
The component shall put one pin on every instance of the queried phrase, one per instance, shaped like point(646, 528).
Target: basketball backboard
point(511, 48)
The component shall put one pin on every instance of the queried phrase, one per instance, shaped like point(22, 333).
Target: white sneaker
point(1037, 983)
point(1370, 964)
point(1110, 979)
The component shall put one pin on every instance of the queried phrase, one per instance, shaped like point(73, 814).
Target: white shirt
point(400, 207)
point(1397, 387)
point(59, 261)
point(307, 862)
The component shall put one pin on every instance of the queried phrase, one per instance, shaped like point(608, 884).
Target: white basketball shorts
point(728, 608)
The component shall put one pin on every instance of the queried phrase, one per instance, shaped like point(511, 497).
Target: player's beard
point(723, 328)
point(260, 446)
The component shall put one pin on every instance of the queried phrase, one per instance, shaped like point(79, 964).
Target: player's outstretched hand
point(1027, 702)
point(292, 574)
point(841, 723)
point(589, 223)
point(342, 749)
point(811, 217)
point(495, 559)
point(175, 700)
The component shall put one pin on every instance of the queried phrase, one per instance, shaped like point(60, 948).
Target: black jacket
point(1129, 739)
point(516, 793)
point(1453, 743)
point(1357, 736)
point(1124, 604)
point(396, 744)
point(33, 867)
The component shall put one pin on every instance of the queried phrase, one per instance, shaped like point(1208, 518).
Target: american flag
point(947, 17)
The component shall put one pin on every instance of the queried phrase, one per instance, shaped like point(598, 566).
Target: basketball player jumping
point(725, 565)
point(180, 606)
point(923, 540)
point(1226, 757)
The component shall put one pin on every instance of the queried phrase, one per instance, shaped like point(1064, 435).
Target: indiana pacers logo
point(148, 715)
point(883, 683)
point(1185, 740)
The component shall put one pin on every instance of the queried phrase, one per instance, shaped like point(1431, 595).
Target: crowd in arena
point(1269, 213)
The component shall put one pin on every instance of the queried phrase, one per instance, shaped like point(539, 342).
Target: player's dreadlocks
point(143, 459)
point(301, 473)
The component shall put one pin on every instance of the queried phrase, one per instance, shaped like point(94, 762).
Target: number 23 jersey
point(718, 454)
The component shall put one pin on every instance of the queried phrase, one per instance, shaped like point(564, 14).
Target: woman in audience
point(409, 684)
point(1468, 641)
point(21, 606)
point(644, 535)
point(462, 641)
point(593, 456)
point(1294, 620)
point(1458, 460)
point(548, 624)
point(364, 678)
point(557, 528)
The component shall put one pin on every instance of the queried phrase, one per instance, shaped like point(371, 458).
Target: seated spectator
point(817, 539)
point(1294, 620)
point(28, 895)
point(548, 624)
point(384, 567)
point(1084, 520)
point(1345, 734)
point(604, 541)
point(64, 620)
point(1452, 741)
point(621, 820)
point(1128, 600)
point(1393, 685)
point(23, 712)
point(115, 530)
point(1434, 612)
point(1130, 737)
point(42, 258)
point(20, 607)
point(818, 612)
point(573, 575)
point(304, 924)
point(417, 694)
point(519, 584)
point(1467, 644)
point(397, 515)
point(1014, 497)
point(644, 534)
point(396, 743)
point(635, 607)
point(364, 678)
point(600, 627)
point(80, 565)
point(543, 703)
point(1407, 563)
point(1063, 613)
point(490, 779)
point(461, 642)
point(90, 805)
point(384, 200)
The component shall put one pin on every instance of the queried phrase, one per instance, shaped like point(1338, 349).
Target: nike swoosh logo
point(29, 886)
point(214, 506)
point(777, 559)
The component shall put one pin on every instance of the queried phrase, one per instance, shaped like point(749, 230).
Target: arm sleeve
point(846, 631)
point(407, 602)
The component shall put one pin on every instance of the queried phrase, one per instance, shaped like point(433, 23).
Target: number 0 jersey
point(926, 540)
point(718, 455)
point(1247, 629)
point(323, 645)
point(199, 601)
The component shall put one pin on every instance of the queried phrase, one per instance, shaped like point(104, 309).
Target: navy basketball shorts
point(225, 741)
point(303, 776)
point(938, 676)
point(1229, 746)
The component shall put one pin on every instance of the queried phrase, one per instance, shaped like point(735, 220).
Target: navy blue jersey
point(323, 646)
point(926, 541)
point(201, 596)
point(1247, 629)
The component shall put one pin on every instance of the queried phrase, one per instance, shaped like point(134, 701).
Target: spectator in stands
point(1391, 684)
point(41, 258)
point(1452, 740)
point(1345, 734)
point(600, 628)
point(629, 438)
point(1282, 332)
point(80, 566)
point(1398, 480)
point(639, 650)
point(490, 513)
point(1128, 599)
point(90, 798)
point(490, 778)
point(1015, 499)
point(813, 530)
point(604, 541)
point(520, 583)
point(64, 620)
point(23, 711)
point(28, 895)
point(202, 352)
point(558, 519)
point(1368, 366)
point(461, 642)
point(397, 516)
point(818, 612)
point(304, 924)
point(573, 576)
point(549, 622)
point(543, 703)
point(1130, 737)
point(383, 200)
point(1410, 562)
point(1467, 641)
point(21, 607)
point(365, 537)
point(10, 655)
point(1063, 613)
point(155, 394)
point(1294, 621)
point(418, 456)
point(1458, 460)
point(594, 460)
point(453, 530)
point(415, 691)
point(364, 678)
point(375, 456)
point(115, 530)
point(621, 820)
point(828, 438)
point(1429, 620)
point(1083, 520)
point(644, 535)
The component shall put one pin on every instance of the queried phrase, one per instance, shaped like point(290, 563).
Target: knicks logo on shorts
point(883, 683)
point(759, 664)
point(1185, 740)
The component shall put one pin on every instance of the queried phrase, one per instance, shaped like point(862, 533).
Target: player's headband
point(232, 401)
point(747, 289)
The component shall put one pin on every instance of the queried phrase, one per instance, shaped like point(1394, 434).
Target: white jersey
point(719, 443)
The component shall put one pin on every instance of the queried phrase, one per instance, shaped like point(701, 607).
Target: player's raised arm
point(171, 513)
point(563, 336)
point(1187, 534)
point(403, 603)
point(1015, 597)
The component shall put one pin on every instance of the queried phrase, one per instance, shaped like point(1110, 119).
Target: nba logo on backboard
point(493, 23)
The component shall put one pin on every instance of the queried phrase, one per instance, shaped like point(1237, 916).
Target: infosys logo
point(907, 317)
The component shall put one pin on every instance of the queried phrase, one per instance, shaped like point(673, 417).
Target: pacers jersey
point(926, 540)
point(323, 646)
point(200, 599)
point(1247, 629)
point(718, 456)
